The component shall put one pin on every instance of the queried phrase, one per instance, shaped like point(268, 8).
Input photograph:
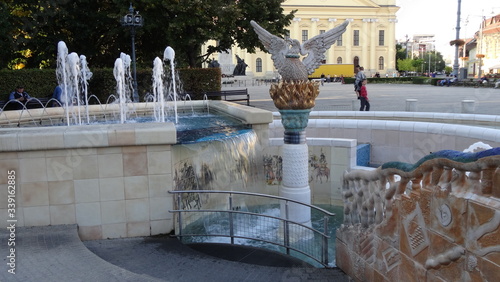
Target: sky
point(439, 17)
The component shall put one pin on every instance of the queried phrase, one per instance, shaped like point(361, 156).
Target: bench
point(231, 95)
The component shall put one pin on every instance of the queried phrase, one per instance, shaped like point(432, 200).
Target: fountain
point(73, 75)
point(109, 178)
point(294, 96)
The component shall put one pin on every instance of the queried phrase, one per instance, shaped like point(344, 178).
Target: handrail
point(256, 214)
point(253, 194)
point(322, 254)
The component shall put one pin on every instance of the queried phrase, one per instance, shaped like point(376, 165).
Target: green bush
point(434, 81)
point(198, 80)
point(41, 83)
point(349, 80)
point(421, 80)
point(36, 82)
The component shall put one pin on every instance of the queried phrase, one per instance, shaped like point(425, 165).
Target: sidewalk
point(55, 253)
point(390, 97)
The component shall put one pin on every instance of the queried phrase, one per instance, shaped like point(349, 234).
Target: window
point(380, 63)
point(381, 38)
point(322, 31)
point(339, 41)
point(339, 60)
point(356, 61)
point(356, 38)
point(305, 35)
point(258, 65)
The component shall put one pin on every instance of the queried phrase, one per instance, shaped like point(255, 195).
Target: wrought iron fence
point(225, 217)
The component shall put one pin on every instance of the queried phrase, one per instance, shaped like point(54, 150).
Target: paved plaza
point(55, 253)
point(389, 97)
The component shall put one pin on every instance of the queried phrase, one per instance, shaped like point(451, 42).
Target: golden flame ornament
point(294, 95)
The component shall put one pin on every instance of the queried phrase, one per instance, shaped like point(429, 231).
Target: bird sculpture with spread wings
point(286, 52)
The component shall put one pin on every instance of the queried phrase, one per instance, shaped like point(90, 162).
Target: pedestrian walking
point(363, 97)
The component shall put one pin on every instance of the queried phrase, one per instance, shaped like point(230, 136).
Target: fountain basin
point(110, 179)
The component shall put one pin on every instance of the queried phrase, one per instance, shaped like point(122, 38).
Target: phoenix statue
point(286, 53)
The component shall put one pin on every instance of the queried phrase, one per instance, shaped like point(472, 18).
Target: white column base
point(295, 186)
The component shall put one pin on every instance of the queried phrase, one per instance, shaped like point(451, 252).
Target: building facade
point(483, 51)
point(368, 41)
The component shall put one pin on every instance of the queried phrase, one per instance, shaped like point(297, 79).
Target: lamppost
point(133, 20)
point(455, 63)
point(406, 46)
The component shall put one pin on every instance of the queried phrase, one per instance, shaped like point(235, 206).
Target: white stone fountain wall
point(110, 179)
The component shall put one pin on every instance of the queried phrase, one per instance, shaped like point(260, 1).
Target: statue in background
point(241, 66)
point(213, 64)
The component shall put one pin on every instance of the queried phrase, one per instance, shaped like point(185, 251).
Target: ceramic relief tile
point(448, 215)
point(445, 259)
point(483, 229)
point(414, 235)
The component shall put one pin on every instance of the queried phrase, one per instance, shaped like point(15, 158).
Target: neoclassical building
point(368, 41)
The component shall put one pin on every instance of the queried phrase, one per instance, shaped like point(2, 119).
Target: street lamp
point(132, 20)
point(457, 37)
point(406, 46)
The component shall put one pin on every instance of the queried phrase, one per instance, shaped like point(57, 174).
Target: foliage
point(395, 80)
point(197, 81)
point(436, 61)
point(421, 80)
point(434, 81)
point(41, 83)
point(36, 82)
point(405, 65)
point(31, 29)
point(400, 54)
point(416, 64)
point(7, 44)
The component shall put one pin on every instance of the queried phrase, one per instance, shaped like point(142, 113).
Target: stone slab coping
point(451, 118)
point(476, 132)
point(334, 142)
point(363, 168)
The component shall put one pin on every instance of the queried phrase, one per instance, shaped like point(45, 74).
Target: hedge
point(41, 83)
point(401, 79)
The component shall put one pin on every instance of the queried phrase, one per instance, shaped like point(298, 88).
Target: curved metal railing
point(235, 223)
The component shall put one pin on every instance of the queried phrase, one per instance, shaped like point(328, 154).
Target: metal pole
point(179, 214)
point(406, 47)
point(135, 95)
point(455, 63)
point(286, 234)
point(429, 64)
point(325, 240)
point(231, 226)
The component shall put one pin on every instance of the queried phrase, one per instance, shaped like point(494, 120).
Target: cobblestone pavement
point(55, 253)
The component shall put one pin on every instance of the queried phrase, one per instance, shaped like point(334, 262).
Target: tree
point(92, 28)
point(88, 27)
point(6, 35)
point(405, 64)
point(186, 25)
point(400, 52)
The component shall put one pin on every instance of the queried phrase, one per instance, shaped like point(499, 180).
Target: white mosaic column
point(295, 154)
point(295, 184)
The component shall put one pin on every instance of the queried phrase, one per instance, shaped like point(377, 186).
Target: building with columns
point(368, 41)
